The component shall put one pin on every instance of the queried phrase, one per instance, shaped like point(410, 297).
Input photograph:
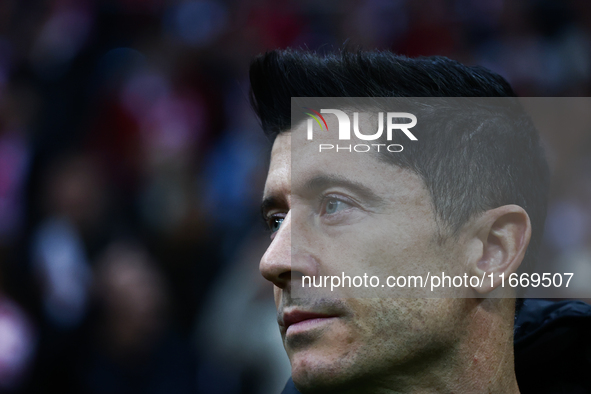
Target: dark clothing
point(290, 388)
point(552, 348)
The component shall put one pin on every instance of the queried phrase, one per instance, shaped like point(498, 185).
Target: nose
point(285, 263)
point(275, 265)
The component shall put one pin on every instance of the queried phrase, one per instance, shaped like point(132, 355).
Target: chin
point(315, 373)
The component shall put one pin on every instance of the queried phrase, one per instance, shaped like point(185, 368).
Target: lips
point(296, 316)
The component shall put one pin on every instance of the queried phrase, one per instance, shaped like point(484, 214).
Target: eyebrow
point(321, 182)
point(271, 202)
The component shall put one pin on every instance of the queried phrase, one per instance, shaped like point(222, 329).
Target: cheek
point(400, 329)
point(380, 249)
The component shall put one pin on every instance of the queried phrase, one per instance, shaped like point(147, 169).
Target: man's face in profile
point(341, 212)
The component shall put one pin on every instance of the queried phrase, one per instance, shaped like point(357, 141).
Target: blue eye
point(333, 205)
point(274, 223)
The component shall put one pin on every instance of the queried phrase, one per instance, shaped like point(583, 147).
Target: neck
point(485, 361)
point(480, 362)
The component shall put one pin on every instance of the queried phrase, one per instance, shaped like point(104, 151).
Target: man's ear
point(501, 237)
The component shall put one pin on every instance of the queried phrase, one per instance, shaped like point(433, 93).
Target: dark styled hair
point(495, 158)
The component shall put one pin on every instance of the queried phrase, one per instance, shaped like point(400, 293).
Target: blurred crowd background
point(131, 169)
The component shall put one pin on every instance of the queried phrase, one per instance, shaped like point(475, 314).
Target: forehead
point(279, 176)
point(295, 161)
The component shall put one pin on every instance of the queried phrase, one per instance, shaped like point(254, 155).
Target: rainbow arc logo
point(316, 117)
